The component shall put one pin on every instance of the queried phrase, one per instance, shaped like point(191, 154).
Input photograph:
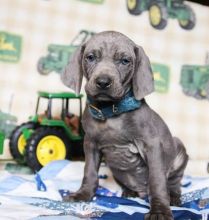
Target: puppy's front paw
point(159, 211)
point(158, 216)
point(76, 197)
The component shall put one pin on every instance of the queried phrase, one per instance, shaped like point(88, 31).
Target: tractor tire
point(190, 23)
point(158, 15)
point(40, 67)
point(133, 7)
point(17, 142)
point(45, 145)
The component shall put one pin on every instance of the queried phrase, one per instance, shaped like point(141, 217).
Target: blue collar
point(128, 103)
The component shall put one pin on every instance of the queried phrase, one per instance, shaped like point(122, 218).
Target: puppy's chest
point(116, 140)
point(112, 131)
point(122, 157)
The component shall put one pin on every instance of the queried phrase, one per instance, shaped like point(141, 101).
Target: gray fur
point(138, 147)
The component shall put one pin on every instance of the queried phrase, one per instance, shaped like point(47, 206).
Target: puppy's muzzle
point(103, 82)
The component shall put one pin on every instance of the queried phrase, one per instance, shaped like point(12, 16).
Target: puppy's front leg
point(158, 190)
point(90, 179)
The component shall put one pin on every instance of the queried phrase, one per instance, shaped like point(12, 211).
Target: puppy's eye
point(90, 58)
point(125, 61)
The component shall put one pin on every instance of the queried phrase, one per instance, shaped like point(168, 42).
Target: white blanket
point(20, 198)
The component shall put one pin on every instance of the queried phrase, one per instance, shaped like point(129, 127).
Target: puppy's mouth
point(102, 97)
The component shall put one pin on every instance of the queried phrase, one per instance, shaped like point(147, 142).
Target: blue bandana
point(128, 103)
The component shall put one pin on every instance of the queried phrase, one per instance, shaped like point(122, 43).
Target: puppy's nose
point(103, 82)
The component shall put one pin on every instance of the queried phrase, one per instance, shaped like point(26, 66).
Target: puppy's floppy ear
point(143, 83)
point(73, 74)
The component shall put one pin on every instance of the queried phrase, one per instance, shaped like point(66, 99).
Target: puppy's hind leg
point(176, 174)
point(127, 193)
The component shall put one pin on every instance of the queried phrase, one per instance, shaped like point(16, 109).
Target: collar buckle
point(98, 112)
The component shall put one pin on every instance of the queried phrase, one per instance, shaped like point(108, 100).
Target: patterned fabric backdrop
point(42, 22)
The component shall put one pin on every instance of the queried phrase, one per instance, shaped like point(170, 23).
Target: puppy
point(119, 125)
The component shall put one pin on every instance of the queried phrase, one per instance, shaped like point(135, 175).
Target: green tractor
point(195, 81)
point(161, 10)
point(7, 123)
point(51, 134)
point(58, 55)
point(2, 138)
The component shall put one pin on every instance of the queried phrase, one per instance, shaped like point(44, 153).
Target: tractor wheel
point(190, 23)
point(17, 142)
point(40, 67)
point(45, 145)
point(133, 7)
point(158, 15)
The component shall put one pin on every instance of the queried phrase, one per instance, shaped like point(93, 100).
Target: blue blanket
point(39, 196)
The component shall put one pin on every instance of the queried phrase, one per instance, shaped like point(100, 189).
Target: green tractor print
point(161, 10)
point(58, 55)
point(195, 81)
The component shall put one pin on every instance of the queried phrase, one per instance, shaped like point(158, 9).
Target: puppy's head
point(112, 64)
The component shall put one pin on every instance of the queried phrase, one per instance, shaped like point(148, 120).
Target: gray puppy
point(135, 142)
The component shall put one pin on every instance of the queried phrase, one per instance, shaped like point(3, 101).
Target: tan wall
point(41, 22)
